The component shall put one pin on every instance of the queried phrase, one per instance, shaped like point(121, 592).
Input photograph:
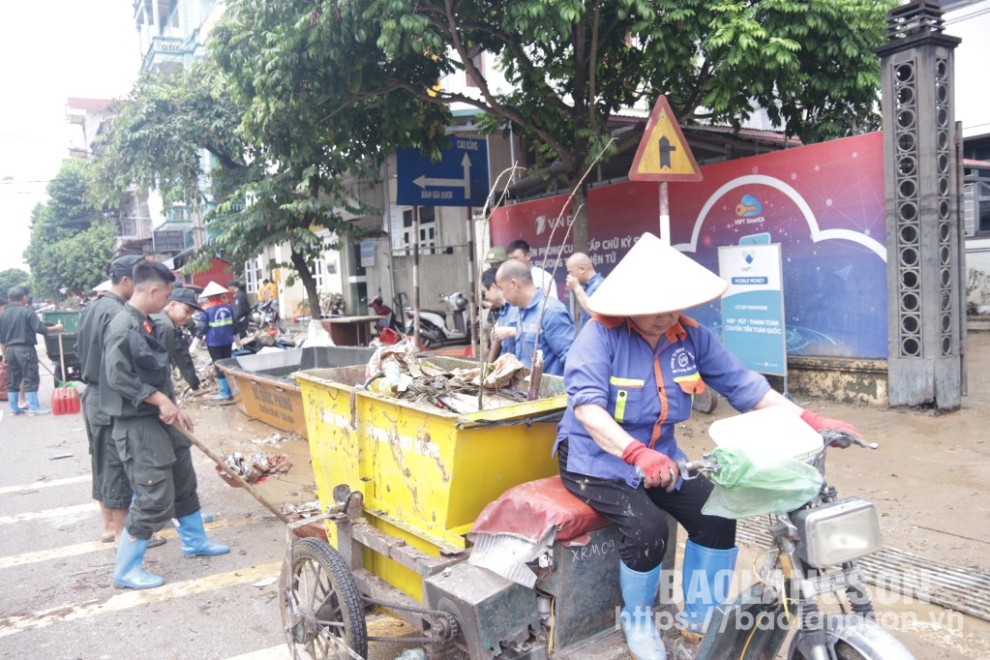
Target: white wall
point(972, 24)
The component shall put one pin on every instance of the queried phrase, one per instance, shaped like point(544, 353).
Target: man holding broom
point(137, 393)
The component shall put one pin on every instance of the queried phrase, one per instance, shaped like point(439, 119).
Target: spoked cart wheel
point(322, 611)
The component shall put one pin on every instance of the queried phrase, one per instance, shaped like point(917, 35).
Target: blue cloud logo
point(748, 207)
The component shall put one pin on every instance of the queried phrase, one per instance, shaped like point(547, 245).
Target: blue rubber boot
point(128, 572)
point(224, 393)
point(707, 575)
point(639, 592)
point(14, 408)
point(194, 541)
point(34, 407)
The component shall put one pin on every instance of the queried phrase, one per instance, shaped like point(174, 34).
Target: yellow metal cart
point(401, 483)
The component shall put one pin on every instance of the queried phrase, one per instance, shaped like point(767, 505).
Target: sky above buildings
point(50, 51)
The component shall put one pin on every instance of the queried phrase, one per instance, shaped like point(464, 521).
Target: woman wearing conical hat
point(630, 378)
point(217, 331)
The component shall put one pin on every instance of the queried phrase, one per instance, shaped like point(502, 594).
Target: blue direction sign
point(459, 178)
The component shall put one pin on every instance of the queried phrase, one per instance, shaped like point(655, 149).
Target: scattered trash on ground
point(304, 510)
point(277, 438)
point(264, 582)
point(254, 467)
point(58, 456)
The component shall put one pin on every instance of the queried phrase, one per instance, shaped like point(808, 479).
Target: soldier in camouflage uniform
point(19, 327)
point(110, 487)
point(137, 392)
point(168, 330)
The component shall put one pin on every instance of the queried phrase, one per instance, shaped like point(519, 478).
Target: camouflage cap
point(124, 265)
point(187, 296)
point(496, 255)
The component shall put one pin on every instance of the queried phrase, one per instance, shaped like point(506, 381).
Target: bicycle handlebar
point(830, 438)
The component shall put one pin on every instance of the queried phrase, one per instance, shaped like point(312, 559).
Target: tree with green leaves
point(571, 65)
point(71, 237)
point(276, 177)
point(310, 153)
point(157, 136)
point(12, 277)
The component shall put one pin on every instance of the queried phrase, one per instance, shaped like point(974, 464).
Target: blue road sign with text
point(459, 178)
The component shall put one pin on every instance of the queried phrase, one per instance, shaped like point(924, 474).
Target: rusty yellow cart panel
point(425, 473)
point(264, 388)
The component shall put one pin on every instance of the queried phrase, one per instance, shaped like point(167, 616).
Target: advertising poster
point(753, 306)
point(534, 222)
point(823, 204)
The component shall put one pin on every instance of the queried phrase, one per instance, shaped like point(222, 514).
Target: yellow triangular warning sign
point(663, 153)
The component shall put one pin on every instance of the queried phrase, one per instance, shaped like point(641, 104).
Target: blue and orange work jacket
point(646, 391)
point(217, 326)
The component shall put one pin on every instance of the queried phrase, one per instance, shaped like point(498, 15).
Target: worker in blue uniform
point(582, 281)
point(500, 312)
point(217, 329)
point(553, 328)
point(630, 378)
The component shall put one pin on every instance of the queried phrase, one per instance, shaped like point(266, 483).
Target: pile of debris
point(207, 375)
point(255, 467)
point(396, 371)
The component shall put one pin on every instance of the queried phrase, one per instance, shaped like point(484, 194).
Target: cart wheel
point(321, 605)
point(705, 402)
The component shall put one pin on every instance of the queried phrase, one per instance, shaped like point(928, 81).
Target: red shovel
point(65, 398)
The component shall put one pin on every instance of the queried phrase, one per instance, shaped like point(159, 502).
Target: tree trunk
point(579, 229)
point(309, 283)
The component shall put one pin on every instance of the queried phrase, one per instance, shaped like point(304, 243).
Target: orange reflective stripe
point(662, 395)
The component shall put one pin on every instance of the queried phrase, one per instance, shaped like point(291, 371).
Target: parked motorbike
point(813, 559)
point(433, 328)
point(265, 315)
point(259, 338)
point(265, 329)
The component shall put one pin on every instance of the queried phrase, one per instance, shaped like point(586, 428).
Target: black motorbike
point(265, 315)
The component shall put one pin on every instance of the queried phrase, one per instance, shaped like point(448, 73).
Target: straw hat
point(654, 278)
point(213, 289)
point(102, 286)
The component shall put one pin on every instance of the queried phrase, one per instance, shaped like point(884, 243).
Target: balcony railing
point(164, 52)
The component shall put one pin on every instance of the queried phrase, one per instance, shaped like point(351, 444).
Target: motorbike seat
point(530, 509)
point(438, 312)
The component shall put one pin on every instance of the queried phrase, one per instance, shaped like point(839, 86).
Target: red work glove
point(820, 424)
point(657, 468)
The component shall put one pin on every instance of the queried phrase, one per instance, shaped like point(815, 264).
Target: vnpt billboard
point(824, 205)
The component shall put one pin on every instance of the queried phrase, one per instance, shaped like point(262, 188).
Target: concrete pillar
point(923, 256)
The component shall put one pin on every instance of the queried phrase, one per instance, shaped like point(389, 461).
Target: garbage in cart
point(397, 371)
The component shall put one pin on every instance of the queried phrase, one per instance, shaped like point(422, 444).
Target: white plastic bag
point(317, 336)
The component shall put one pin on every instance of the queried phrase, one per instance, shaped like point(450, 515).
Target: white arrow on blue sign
point(459, 178)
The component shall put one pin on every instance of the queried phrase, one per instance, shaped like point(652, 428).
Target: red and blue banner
point(823, 203)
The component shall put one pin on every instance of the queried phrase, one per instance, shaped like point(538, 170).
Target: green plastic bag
point(744, 488)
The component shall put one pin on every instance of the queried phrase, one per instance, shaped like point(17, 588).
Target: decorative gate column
point(923, 256)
